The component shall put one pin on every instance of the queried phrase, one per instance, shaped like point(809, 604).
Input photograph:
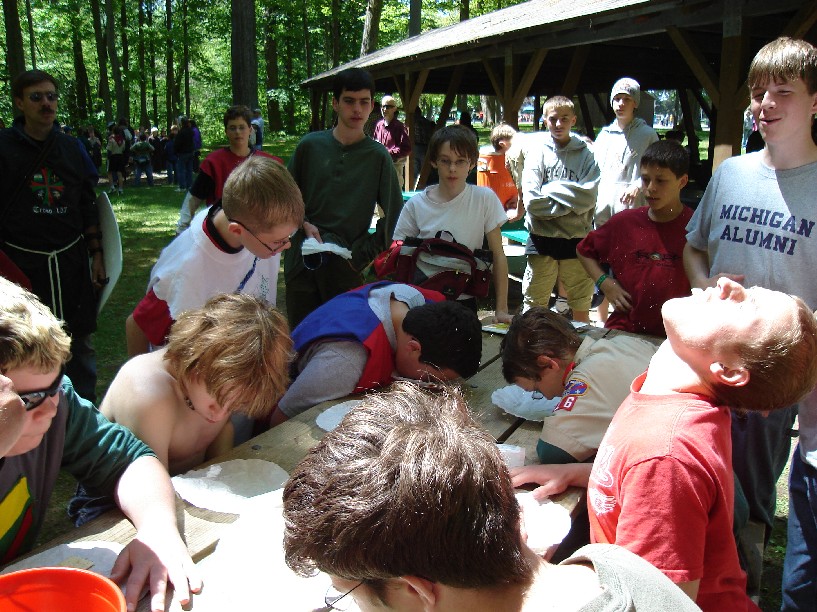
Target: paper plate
point(100, 553)
point(331, 417)
point(546, 523)
point(226, 487)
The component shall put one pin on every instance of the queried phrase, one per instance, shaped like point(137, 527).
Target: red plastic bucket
point(59, 588)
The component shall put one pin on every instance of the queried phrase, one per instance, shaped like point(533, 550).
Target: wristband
point(602, 278)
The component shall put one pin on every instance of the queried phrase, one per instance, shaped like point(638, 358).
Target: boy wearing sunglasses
point(232, 247)
point(51, 428)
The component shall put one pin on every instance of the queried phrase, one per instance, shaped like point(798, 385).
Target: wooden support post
point(414, 84)
point(689, 127)
point(512, 105)
point(511, 118)
point(448, 104)
point(728, 131)
point(574, 72)
point(589, 130)
point(315, 97)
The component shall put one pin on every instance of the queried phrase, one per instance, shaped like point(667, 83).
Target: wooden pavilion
point(580, 47)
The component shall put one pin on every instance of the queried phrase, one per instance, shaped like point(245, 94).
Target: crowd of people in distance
point(678, 428)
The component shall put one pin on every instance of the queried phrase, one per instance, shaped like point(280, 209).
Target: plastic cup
point(66, 589)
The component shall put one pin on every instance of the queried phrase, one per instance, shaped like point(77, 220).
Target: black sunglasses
point(37, 96)
point(389, 106)
point(32, 399)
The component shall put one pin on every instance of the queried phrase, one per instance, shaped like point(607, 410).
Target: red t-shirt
point(647, 259)
point(215, 169)
point(662, 487)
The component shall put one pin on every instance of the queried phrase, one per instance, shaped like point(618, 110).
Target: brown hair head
point(460, 139)
point(785, 59)
point(408, 484)
point(536, 332)
point(261, 193)
point(239, 346)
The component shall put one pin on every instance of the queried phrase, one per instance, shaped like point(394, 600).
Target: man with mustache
point(48, 217)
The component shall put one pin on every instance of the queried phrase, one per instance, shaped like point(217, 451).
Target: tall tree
point(113, 55)
point(244, 58)
point(81, 79)
point(102, 60)
point(31, 40)
point(123, 32)
point(186, 55)
point(371, 27)
point(415, 14)
point(271, 62)
point(143, 94)
point(15, 55)
point(169, 102)
point(152, 62)
point(334, 33)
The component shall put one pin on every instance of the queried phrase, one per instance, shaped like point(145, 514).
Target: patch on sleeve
point(574, 389)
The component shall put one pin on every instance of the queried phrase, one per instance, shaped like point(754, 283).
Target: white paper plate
point(331, 417)
point(226, 487)
point(546, 523)
point(101, 554)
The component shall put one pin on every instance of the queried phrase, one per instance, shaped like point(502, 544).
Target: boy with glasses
point(48, 427)
point(233, 247)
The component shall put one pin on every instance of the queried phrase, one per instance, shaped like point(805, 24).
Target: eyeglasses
point(279, 244)
point(536, 394)
point(389, 106)
point(237, 128)
point(459, 164)
point(334, 598)
point(32, 399)
point(37, 96)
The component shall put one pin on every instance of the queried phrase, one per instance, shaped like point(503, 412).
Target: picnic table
point(289, 442)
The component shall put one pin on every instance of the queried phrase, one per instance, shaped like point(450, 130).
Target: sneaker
point(560, 306)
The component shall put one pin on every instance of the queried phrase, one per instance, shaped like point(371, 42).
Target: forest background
point(151, 61)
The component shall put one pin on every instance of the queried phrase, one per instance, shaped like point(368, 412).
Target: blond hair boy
point(59, 430)
point(559, 184)
point(230, 356)
point(234, 247)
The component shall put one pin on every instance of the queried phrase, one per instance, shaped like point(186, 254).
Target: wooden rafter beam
point(696, 62)
point(574, 72)
point(531, 70)
point(499, 91)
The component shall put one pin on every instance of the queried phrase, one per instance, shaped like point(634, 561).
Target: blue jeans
point(184, 170)
point(147, 168)
point(171, 172)
point(800, 565)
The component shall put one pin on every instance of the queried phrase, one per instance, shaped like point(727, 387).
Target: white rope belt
point(53, 273)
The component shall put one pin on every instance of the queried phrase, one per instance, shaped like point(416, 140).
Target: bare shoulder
point(141, 389)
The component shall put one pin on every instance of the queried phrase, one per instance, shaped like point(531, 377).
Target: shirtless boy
point(232, 355)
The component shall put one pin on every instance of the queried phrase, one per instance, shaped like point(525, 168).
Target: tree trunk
point(123, 29)
point(116, 72)
point(152, 61)
point(271, 61)
point(81, 82)
point(415, 17)
point(15, 55)
point(334, 32)
point(169, 108)
point(371, 27)
point(102, 61)
point(186, 56)
point(307, 42)
point(244, 59)
point(143, 94)
point(465, 13)
point(289, 110)
point(31, 40)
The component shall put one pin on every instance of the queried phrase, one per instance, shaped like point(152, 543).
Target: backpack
point(441, 264)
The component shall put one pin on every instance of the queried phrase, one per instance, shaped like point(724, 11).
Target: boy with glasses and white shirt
point(234, 247)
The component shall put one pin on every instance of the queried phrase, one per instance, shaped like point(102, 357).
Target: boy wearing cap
point(618, 149)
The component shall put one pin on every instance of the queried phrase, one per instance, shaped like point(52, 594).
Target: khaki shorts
point(540, 277)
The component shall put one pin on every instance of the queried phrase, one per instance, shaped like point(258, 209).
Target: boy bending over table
point(60, 430)
point(417, 512)
point(362, 339)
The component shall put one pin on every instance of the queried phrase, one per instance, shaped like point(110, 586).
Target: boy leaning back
point(644, 246)
point(559, 182)
point(471, 214)
point(756, 220)
point(55, 429)
point(662, 483)
point(230, 248)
